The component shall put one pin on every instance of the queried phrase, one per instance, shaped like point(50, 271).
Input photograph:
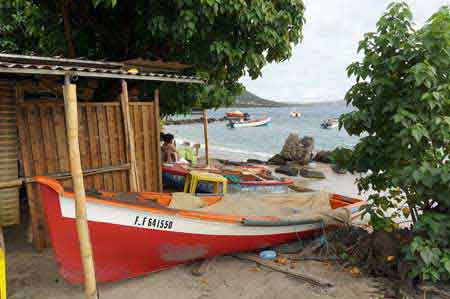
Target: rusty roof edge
point(100, 74)
point(55, 59)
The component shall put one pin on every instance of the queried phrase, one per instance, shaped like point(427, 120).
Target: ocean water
point(263, 142)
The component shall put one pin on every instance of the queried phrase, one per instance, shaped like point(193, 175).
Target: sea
point(263, 142)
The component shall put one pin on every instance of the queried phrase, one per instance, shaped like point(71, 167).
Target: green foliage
point(402, 101)
point(221, 39)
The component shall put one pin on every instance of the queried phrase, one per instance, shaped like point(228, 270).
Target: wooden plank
point(93, 144)
point(121, 146)
point(139, 144)
point(147, 141)
point(49, 145)
point(113, 146)
point(26, 157)
point(129, 137)
point(61, 141)
point(157, 140)
point(84, 145)
point(104, 147)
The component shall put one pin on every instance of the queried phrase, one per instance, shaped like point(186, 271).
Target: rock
point(277, 160)
point(338, 170)
point(290, 171)
point(256, 161)
point(323, 157)
point(314, 174)
point(296, 149)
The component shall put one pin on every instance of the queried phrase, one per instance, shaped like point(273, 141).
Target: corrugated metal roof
point(22, 64)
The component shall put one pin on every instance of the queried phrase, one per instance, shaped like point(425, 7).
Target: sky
point(317, 69)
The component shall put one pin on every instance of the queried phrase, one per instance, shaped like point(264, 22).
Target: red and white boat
point(235, 115)
point(137, 233)
point(250, 123)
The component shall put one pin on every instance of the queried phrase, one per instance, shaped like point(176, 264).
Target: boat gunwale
point(197, 215)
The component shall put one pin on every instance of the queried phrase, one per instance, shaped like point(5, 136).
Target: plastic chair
point(194, 177)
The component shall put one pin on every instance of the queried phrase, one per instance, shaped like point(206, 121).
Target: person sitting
point(169, 150)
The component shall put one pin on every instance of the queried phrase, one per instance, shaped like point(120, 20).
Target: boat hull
point(251, 123)
point(129, 242)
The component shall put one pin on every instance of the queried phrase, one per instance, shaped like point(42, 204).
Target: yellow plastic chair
point(194, 177)
point(2, 269)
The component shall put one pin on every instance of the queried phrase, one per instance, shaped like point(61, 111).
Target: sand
point(32, 275)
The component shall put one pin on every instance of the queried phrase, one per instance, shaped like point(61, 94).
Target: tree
point(221, 39)
point(402, 101)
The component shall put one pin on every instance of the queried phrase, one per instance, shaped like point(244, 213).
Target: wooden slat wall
point(9, 198)
point(102, 142)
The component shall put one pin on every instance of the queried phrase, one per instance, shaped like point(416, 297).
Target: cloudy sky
point(316, 70)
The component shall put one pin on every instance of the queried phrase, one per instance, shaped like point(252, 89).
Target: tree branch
point(65, 7)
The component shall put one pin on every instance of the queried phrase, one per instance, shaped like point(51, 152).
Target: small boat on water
point(240, 179)
point(296, 114)
point(133, 234)
point(330, 123)
point(236, 115)
point(250, 123)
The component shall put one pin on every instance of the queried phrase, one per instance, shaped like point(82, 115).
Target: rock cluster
point(295, 149)
point(193, 121)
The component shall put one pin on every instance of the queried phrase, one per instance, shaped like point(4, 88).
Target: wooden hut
point(118, 138)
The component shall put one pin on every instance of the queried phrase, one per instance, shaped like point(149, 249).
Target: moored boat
point(240, 179)
point(296, 114)
point(137, 233)
point(330, 123)
point(250, 123)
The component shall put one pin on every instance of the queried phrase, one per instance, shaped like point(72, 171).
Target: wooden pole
point(205, 129)
point(129, 138)
point(70, 106)
point(64, 175)
point(158, 141)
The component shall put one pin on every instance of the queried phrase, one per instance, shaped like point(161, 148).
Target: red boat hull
point(124, 251)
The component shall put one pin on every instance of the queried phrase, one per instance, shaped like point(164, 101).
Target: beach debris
point(277, 160)
point(314, 174)
point(287, 170)
point(300, 189)
point(298, 149)
point(268, 254)
point(323, 157)
point(203, 267)
point(309, 278)
point(338, 170)
point(290, 248)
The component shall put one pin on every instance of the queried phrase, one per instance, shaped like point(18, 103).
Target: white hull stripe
point(104, 213)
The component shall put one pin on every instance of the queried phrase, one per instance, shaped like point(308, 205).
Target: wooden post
point(129, 138)
point(158, 141)
point(205, 129)
point(70, 106)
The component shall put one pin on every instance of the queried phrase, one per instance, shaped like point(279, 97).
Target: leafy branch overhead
point(402, 101)
point(221, 39)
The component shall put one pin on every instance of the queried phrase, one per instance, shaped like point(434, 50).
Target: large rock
point(296, 149)
point(313, 174)
point(277, 160)
point(323, 157)
point(290, 171)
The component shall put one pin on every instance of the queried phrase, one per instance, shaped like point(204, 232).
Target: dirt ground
point(32, 275)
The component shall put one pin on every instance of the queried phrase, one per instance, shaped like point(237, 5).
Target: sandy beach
point(32, 275)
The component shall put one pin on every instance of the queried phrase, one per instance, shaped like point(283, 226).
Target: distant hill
point(248, 99)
